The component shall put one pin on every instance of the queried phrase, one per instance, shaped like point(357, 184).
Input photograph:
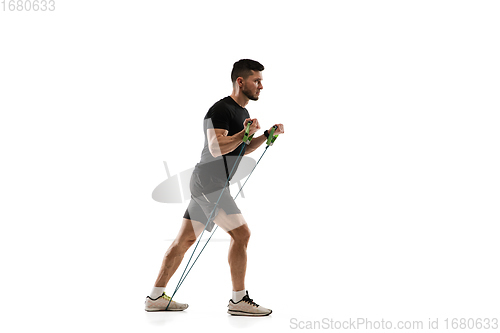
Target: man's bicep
point(213, 136)
point(213, 133)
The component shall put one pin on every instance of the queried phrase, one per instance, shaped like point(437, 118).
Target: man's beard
point(247, 94)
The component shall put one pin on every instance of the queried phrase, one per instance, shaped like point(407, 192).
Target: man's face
point(252, 86)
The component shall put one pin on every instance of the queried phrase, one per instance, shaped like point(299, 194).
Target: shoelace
point(168, 298)
point(249, 300)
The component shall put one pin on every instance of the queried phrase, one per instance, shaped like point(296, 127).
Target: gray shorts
point(205, 191)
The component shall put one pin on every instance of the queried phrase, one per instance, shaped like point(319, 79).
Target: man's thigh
point(190, 229)
point(229, 222)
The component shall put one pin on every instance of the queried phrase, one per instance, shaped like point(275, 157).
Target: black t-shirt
point(229, 115)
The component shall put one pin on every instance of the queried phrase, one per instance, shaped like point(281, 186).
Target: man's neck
point(241, 99)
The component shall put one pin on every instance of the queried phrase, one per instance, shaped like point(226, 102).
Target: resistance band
point(246, 139)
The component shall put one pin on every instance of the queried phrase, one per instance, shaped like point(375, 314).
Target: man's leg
point(157, 300)
point(237, 257)
point(236, 226)
point(190, 230)
point(241, 304)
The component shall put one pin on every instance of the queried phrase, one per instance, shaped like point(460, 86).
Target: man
point(224, 127)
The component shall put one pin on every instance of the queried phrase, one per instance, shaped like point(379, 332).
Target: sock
point(156, 292)
point(238, 295)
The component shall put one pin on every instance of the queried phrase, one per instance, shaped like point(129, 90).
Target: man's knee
point(188, 241)
point(241, 234)
point(182, 244)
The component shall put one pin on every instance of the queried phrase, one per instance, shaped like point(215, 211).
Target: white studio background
point(381, 200)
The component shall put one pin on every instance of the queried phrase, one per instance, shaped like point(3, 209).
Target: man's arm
point(255, 143)
point(219, 143)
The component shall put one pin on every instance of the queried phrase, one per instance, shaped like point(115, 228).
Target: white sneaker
point(247, 307)
point(161, 303)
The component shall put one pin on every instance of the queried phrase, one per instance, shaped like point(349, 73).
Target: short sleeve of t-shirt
point(220, 117)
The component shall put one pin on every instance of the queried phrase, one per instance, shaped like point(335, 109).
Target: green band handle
point(274, 139)
point(246, 138)
point(271, 138)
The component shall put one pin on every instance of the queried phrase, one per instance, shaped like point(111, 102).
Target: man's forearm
point(255, 143)
point(226, 144)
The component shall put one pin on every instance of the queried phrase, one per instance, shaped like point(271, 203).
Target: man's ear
point(239, 81)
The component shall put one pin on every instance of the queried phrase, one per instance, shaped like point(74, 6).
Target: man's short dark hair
point(244, 67)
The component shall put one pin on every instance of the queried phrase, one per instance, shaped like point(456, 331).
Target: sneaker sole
point(160, 310)
point(248, 314)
